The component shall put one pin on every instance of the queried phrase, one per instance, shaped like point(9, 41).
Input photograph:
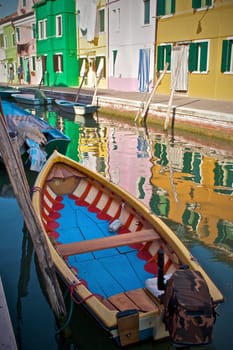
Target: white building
point(131, 42)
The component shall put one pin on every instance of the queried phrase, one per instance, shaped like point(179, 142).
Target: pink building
point(25, 29)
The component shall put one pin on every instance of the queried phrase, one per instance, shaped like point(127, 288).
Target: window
point(1, 41)
point(197, 4)
point(146, 11)
point(114, 56)
point(227, 56)
point(83, 66)
point(13, 39)
point(198, 56)
point(17, 34)
point(33, 31)
point(164, 56)
point(102, 20)
point(116, 19)
point(58, 63)
point(100, 66)
point(42, 29)
point(33, 63)
point(166, 7)
point(58, 25)
point(24, 3)
point(44, 62)
point(5, 42)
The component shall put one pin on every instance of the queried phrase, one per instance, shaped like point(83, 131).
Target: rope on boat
point(78, 302)
point(35, 189)
point(73, 300)
point(69, 314)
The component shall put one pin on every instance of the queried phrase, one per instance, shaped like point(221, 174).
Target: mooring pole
point(11, 156)
point(145, 110)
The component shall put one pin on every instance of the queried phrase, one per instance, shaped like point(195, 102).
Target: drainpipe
point(155, 43)
point(107, 49)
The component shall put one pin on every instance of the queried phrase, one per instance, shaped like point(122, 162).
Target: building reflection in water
point(190, 185)
point(203, 192)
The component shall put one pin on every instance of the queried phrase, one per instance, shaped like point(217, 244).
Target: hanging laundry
point(87, 18)
point(144, 70)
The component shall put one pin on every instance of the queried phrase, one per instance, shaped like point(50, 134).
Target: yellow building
point(196, 38)
point(92, 43)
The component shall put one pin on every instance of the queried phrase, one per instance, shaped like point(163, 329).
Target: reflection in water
point(24, 277)
point(188, 184)
point(204, 195)
point(181, 181)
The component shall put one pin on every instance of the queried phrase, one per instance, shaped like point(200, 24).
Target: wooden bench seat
point(135, 299)
point(115, 241)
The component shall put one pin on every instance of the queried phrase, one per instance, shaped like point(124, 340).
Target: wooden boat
point(108, 270)
point(76, 108)
point(32, 129)
point(7, 91)
point(32, 99)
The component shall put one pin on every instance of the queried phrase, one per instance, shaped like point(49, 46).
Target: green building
point(8, 53)
point(57, 41)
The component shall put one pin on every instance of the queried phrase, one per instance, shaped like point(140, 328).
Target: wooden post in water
point(80, 87)
point(166, 122)
point(11, 155)
point(97, 84)
point(145, 110)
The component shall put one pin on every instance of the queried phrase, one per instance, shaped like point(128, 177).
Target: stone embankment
point(214, 117)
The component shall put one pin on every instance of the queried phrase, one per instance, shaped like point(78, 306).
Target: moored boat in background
point(76, 108)
point(35, 136)
point(36, 99)
point(7, 91)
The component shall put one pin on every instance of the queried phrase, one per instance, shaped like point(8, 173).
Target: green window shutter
point(203, 61)
point(101, 20)
point(160, 7)
point(114, 53)
point(160, 60)
point(55, 63)
point(97, 61)
point(104, 68)
point(114, 56)
point(208, 2)
point(147, 12)
point(168, 56)
point(33, 30)
point(173, 6)
point(192, 57)
point(196, 4)
point(226, 54)
point(1, 40)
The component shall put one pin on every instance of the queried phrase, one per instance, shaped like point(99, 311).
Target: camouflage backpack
point(189, 313)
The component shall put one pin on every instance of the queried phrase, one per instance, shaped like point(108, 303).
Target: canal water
point(186, 181)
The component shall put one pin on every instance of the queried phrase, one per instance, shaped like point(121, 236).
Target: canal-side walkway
point(216, 114)
point(7, 337)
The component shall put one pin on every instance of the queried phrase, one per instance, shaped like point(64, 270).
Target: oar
point(14, 166)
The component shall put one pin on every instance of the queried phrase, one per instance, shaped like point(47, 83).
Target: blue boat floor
point(106, 272)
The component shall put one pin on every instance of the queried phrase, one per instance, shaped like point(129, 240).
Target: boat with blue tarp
point(36, 137)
